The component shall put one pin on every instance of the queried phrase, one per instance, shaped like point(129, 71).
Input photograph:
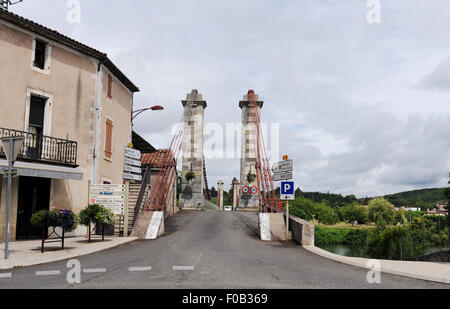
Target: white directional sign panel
point(283, 166)
point(283, 176)
point(132, 164)
point(110, 196)
point(132, 169)
point(132, 153)
point(129, 176)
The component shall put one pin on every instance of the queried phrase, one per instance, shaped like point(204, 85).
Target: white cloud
point(362, 108)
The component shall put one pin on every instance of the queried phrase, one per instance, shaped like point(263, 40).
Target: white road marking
point(48, 273)
point(140, 268)
point(6, 275)
point(183, 268)
point(94, 270)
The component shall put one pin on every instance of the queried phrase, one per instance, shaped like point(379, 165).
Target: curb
point(360, 264)
point(68, 257)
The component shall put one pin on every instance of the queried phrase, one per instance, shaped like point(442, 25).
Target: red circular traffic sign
point(245, 190)
point(254, 190)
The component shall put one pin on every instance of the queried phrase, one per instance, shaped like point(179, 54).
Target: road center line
point(6, 275)
point(183, 268)
point(48, 273)
point(94, 270)
point(149, 268)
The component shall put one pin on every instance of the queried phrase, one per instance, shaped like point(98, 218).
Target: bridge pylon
point(192, 195)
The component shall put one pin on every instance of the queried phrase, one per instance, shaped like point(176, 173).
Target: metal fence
point(43, 148)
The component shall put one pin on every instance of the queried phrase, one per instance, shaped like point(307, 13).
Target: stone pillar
point(220, 196)
point(236, 194)
point(192, 194)
point(248, 202)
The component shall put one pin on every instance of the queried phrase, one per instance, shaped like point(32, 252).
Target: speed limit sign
point(245, 190)
point(254, 190)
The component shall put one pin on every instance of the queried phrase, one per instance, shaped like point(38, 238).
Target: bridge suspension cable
point(268, 202)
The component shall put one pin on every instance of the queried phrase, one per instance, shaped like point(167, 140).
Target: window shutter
point(108, 142)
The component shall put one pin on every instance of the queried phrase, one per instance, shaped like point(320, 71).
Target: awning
point(43, 170)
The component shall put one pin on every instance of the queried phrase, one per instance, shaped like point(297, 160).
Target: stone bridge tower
point(192, 194)
point(248, 201)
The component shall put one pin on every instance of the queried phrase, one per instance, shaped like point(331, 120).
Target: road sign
point(133, 162)
point(132, 169)
point(283, 176)
point(245, 190)
point(254, 190)
point(110, 196)
point(132, 153)
point(287, 191)
point(283, 166)
point(129, 176)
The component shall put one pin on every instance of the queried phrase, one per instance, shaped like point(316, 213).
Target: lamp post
point(11, 146)
point(136, 113)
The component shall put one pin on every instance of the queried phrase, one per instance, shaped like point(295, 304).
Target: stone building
point(73, 106)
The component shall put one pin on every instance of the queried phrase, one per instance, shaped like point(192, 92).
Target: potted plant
point(54, 218)
point(99, 215)
point(251, 177)
point(189, 176)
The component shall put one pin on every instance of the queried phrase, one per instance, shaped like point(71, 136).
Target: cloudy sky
point(363, 108)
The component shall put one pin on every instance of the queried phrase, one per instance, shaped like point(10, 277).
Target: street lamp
point(12, 146)
point(140, 111)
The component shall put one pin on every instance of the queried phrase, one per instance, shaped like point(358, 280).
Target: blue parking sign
point(287, 188)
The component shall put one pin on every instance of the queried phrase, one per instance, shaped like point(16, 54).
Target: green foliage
point(404, 242)
point(251, 177)
point(426, 198)
point(97, 214)
point(305, 209)
point(333, 200)
point(189, 176)
point(55, 218)
point(346, 236)
point(325, 214)
point(383, 212)
point(352, 213)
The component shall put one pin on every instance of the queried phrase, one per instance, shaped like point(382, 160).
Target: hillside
point(417, 198)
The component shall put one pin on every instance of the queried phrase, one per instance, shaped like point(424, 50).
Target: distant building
point(440, 209)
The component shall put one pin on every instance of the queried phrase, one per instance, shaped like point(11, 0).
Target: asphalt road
point(206, 250)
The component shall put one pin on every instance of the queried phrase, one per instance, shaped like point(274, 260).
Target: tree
point(325, 214)
point(213, 192)
point(298, 193)
point(380, 210)
point(354, 213)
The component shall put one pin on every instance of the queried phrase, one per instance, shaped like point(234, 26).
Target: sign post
point(131, 171)
point(12, 146)
point(284, 171)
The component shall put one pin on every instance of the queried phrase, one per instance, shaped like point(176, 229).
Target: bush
point(55, 218)
point(97, 214)
point(345, 236)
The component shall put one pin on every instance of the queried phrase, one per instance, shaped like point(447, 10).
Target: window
point(37, 110)
point(40, 54)
point(110, 84)
point(108, 137)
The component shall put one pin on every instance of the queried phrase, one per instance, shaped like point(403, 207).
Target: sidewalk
point(437, 272)
point(28, 253)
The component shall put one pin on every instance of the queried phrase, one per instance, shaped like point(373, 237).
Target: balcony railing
point(43, 148)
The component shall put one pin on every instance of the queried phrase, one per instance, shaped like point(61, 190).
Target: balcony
point(44, 149)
